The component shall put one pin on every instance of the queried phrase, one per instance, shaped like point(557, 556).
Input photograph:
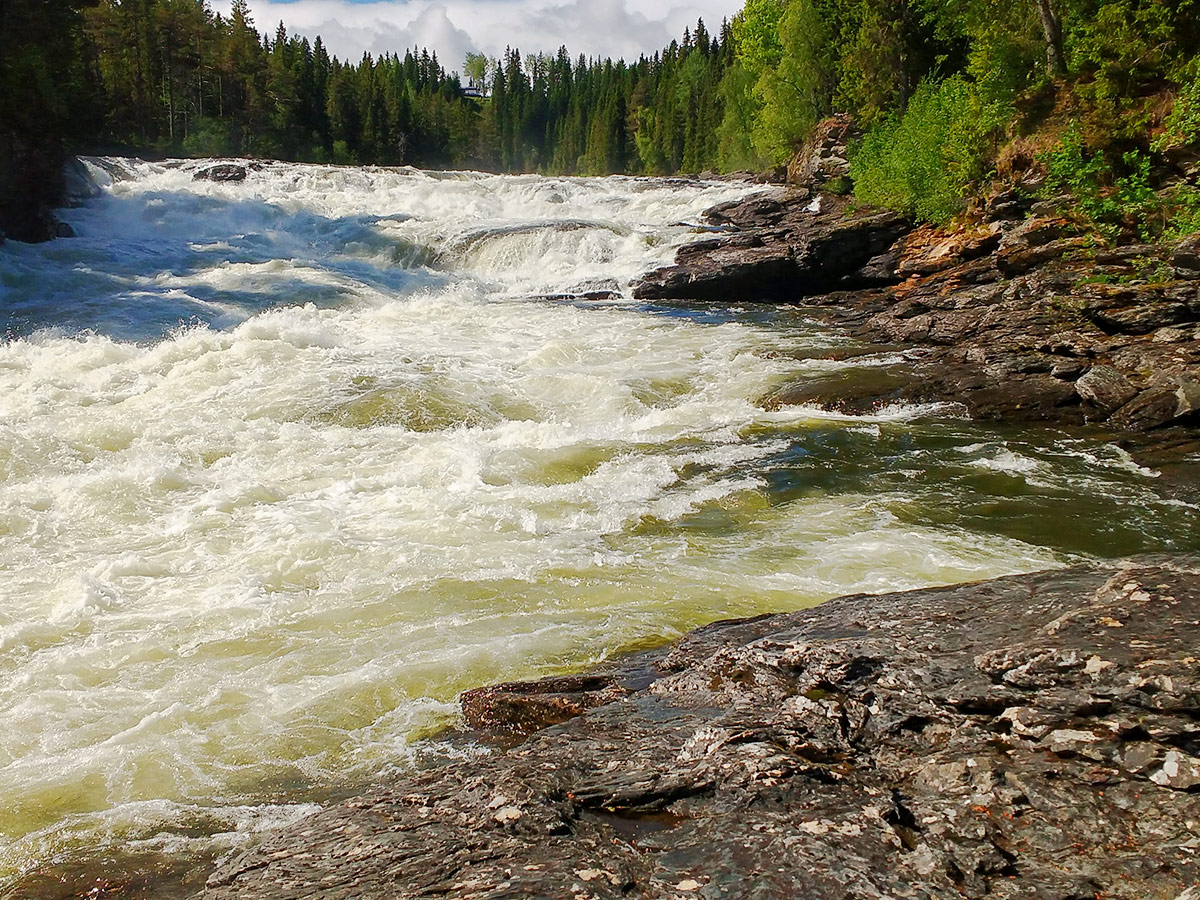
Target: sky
point(602, 28)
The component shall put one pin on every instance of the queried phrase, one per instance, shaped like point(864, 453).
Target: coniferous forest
point(943, 91)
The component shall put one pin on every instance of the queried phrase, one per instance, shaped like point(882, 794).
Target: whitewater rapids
point(287, 464)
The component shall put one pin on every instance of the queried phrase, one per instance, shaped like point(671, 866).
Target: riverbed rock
point(801, 248)
point(222, 172)
point(1032, 736)
point(78, 185)
point(1008, 313)
point(518, 709)
point(1170, 398)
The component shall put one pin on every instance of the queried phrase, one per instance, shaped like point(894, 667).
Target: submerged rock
point(1032, 736)
point(79, 186)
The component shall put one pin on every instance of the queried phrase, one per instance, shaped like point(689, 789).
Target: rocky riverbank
point(1020, 317)
point(1032, 736)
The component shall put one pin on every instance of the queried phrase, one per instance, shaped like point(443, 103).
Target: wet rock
point(78, 184)
point(758, 211)
point(736, 268)
point(799, 248)
point(517, 709)
point(1105, 388)
point(1009, 315)
point(222, 172)
point(1170, 399)
point(1032, 736)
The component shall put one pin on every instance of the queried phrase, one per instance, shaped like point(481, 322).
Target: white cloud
point(600, 28)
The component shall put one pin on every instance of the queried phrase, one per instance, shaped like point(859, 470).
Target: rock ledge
point(1032, 736)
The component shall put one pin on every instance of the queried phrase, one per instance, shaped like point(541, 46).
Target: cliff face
point(1033, 736)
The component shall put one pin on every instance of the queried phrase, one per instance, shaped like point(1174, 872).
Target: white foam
point(274, 547)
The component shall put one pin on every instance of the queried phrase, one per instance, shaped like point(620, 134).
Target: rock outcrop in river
point(1034, 736)
point(1019, 319)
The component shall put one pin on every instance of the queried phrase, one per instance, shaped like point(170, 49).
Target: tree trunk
point(1056, 63)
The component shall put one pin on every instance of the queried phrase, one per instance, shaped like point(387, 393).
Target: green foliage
point(925, 162)
point(476, 67)
point(934, 82)
point(735, 149)
point(756, 32)
point(1121, 47)
point(1086, 179)
point(1127, 41)
point(1182, 126)
point(44, 104)
point(173, 76)
point(795, 92)
point(1007, 52)
point(1121, 198)
point(1181, 212)
point(208, 137)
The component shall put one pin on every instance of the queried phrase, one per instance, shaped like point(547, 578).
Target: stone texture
point(518, 709)
point(222, 172)
point(1185, 258)
point(786, 249)
point(1105, 388)
point(1022, 320)
point(823, 161)
point(1030, 737)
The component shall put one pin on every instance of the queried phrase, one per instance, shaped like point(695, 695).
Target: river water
point(285, 465)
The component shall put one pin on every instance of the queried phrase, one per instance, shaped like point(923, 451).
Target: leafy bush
point(1121, 198)
point(925, 163)
point(1182, 213)
point(1107, 200)
point(1183, 122)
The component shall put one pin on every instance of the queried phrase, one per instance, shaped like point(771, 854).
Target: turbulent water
point(287, 464)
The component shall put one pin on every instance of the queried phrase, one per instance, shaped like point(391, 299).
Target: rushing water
point(288, 464)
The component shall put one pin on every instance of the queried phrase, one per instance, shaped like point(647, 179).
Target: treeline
point(42, 105)
point(172, 76)
point(947, 94)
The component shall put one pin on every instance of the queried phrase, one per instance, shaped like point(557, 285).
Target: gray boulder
point(223, 172)
point(1105, 388)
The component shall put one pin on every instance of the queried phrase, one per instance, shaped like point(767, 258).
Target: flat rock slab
point(1033, 736)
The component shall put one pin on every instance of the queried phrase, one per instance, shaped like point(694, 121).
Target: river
point(287, 464)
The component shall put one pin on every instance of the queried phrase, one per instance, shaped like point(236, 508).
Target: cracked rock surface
point(1035, 736)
